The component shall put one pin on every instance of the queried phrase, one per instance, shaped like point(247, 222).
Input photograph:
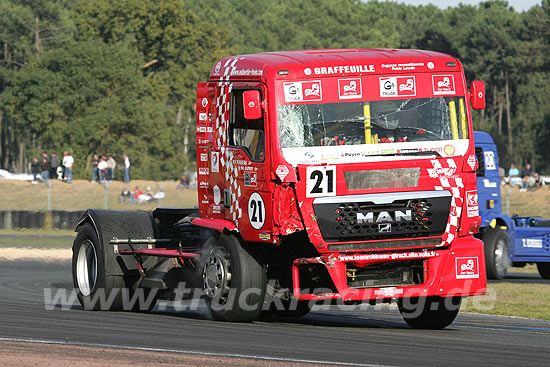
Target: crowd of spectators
point(528, 180)
point(48, 167)
point(137, 196)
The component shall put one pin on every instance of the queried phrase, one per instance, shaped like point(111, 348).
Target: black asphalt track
point(365, 337)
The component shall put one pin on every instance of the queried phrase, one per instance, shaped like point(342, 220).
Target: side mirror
point(477, 95)
point(252, 104)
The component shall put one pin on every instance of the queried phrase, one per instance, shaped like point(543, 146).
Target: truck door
point(247, 197)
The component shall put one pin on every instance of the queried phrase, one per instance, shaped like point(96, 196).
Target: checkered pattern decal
point(222, 122)
point(453, 184)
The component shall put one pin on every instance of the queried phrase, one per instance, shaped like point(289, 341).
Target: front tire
point(233, 280)
point(544, 270)
point(429, 312)
point(497, 253)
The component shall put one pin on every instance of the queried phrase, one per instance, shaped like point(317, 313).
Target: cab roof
point(377, 61)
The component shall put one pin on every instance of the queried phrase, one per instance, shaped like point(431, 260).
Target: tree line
point(119, 77)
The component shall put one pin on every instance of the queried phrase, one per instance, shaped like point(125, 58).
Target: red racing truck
point(323, 176)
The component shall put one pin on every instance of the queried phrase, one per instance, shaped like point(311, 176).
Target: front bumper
point(458, 270)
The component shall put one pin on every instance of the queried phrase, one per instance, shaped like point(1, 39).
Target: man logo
point(386, 227)
point(384, 217)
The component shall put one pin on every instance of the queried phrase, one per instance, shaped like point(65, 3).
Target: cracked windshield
point(387, 121)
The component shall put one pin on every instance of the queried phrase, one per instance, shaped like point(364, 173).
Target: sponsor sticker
point(471, 161)
point(400, 86)
point(344, 69)
point(303, 91)
point(217, 194)
point(441, 172)
point(467, 267)
point(204, 157)
point(388, 292)
point(204, 102)
point(349, 88)
point(264, 236)
point(472, 204)
point(282, 171)
point(203, 116)
point(251, 179)
point(215, 162)
point(203, 171)
point(390, 256)
point(443, 84)
point(449, 149)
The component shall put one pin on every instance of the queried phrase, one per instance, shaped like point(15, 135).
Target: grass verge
point(512, 299)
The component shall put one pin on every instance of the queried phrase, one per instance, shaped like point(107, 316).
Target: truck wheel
point(95, 289)
point(233, 280)
point(497, 254)
point(429, 312)
point(544, 270)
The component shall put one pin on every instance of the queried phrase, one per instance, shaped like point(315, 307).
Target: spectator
point(126, 168)
point(526, 177)
point(125, 196)
point(501, 175)
point(54, 164)
point(35, 168)
point(539, 182)
point(136, 193)
point(95, 170)
point(45, 156)
point(102, 169)
point(45, 170)
point(183, 183)
point(111, 165)
point(68, 162)
point(513, 171)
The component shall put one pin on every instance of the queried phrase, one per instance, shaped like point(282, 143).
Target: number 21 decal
point(321, 181)
point(256, 211)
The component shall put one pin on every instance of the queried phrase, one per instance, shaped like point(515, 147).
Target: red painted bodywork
point(330, 76)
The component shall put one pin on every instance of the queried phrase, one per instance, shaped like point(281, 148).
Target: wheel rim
point(216, 275)
point(86, 268)
point(502, 257)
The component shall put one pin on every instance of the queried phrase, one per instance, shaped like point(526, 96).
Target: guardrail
point(56, 219)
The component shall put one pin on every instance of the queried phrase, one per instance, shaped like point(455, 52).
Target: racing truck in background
point(509, 241)
point(323, 176)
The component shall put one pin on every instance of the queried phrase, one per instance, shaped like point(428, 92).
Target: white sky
point(518, 5)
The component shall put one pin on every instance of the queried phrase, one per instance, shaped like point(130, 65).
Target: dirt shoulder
point(38, 354)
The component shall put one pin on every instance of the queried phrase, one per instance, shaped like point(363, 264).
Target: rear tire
point(497, 253)
point(544, 270)
point(95, 289)
point(429, 312)
point(233, 280)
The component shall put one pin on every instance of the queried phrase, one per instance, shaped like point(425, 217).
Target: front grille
point(383, 216)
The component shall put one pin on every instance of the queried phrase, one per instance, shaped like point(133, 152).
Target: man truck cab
point(323, 176)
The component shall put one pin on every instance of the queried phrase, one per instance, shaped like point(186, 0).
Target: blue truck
point(509, 241)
